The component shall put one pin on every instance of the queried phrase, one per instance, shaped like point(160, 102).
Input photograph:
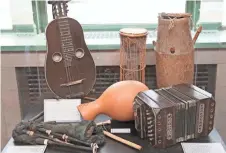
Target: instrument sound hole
point(57, 57)
point(79, 53)
point(172, 50)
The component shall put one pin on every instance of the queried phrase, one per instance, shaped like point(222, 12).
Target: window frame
point(205, 25)
point(18, 28)
point(40, 15)
point(193, 8)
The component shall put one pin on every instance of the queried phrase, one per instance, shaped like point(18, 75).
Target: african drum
point(133, 54)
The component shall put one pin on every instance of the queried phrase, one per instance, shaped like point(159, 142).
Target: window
point(109, 13)
point(212, 12)
point(15, 14)
point(118, 12)
point(224, 16)
point(5, 15)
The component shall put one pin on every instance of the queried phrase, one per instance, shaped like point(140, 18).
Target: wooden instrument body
point(116, 101)
point(74, 69)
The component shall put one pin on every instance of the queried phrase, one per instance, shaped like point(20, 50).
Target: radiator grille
point(32, 84)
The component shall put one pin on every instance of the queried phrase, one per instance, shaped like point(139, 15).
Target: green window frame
point(194, 7)
point(17, 28)
point(40, 15)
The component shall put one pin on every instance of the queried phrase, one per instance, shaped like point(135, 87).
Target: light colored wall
point(10, 108)
point(221, 100)
point(9, 90)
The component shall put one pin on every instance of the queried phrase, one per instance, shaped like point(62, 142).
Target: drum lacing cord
point(172, 24)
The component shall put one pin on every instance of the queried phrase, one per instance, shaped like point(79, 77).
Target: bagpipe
point(84, 135)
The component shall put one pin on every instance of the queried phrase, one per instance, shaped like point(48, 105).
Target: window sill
point(101, 40)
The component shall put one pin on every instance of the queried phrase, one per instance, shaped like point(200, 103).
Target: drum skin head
point(133, 32)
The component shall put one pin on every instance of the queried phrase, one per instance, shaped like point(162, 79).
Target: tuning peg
point(51, 2)
point(56, 1)
point(66, 1)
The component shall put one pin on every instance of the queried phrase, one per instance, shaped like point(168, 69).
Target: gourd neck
point(90, 110)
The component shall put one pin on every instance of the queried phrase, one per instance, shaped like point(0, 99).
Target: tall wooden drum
point(133, 54)
point(174, 50)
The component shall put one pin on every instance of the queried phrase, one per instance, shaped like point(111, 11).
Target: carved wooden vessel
point(174, 50)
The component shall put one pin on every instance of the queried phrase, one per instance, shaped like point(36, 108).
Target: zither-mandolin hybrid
point(69, 67)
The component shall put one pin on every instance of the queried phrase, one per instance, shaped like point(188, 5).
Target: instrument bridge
point(72, 83)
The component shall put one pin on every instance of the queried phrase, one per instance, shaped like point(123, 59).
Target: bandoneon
point(174, 114)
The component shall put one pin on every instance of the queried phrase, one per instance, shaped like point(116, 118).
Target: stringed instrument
point(69, 67)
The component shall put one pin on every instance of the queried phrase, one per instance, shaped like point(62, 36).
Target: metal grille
point(32, 84)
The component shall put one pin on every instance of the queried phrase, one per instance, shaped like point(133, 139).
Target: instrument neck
point(59, 10)
point(66, 40)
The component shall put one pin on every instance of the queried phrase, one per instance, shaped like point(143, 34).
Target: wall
point(10, 108)
point(221, 99)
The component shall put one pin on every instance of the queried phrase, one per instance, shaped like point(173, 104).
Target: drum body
point(133, 54)
point(174, 50)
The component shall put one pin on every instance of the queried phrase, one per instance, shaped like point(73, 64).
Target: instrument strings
point(66, 56)
point(68, 47)
point(68, 60)
point(68, 53)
